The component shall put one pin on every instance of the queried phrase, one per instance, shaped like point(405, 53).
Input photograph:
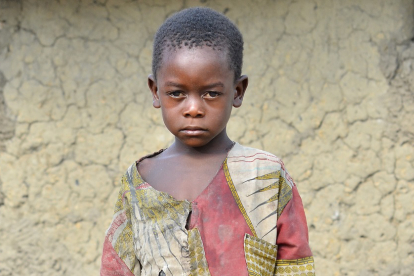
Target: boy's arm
point(118, 258)
point(292, 230)
point(294, 253)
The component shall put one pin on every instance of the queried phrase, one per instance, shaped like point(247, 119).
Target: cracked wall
point(331, 92)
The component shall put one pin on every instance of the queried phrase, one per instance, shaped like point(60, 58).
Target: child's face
point(195, 90)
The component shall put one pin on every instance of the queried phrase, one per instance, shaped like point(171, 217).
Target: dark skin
point(195, 90)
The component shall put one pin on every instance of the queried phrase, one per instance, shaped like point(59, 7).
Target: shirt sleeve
point(118, 258)
point(294, 254)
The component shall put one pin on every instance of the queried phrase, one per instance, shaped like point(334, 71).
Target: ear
point(152, 84)
point(240, 88)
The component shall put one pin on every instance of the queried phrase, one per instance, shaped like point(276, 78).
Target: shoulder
point(131, 180)
point(256, 162)
point(147, 163)
point(243, 154)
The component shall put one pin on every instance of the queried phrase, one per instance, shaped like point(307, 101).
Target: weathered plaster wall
point(331, 92)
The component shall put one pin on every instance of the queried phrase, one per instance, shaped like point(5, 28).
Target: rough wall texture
point(331, 92)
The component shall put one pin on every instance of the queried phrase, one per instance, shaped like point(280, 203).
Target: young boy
point(205, 205)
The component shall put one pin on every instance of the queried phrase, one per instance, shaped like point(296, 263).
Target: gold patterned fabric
point(198, 260)
point(299, 267)
point(260, 256)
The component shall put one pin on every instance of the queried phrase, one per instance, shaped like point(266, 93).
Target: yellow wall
point(331, 92)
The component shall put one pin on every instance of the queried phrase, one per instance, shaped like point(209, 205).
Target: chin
point(194, 142)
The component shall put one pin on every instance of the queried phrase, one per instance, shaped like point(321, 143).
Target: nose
point(194, 107)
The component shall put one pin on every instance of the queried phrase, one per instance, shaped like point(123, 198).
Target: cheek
point(167, 117)
point(222, 116)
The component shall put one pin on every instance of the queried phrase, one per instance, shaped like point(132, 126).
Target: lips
point(193, 130)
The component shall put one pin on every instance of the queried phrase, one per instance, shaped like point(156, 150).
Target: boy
point(206, 205)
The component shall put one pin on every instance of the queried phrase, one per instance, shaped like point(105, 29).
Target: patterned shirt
point(249, 220)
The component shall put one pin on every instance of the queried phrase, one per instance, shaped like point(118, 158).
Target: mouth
point(193, 130)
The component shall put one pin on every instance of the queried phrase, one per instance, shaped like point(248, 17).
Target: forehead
point(194, 58)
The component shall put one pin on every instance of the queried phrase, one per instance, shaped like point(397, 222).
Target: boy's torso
point(244, 191)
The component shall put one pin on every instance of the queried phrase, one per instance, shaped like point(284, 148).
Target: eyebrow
point(216, 84)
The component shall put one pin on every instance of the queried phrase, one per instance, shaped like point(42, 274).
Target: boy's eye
point(211, 94)
point(176, 94)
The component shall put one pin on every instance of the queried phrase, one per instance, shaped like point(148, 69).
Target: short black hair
point(199, 27)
